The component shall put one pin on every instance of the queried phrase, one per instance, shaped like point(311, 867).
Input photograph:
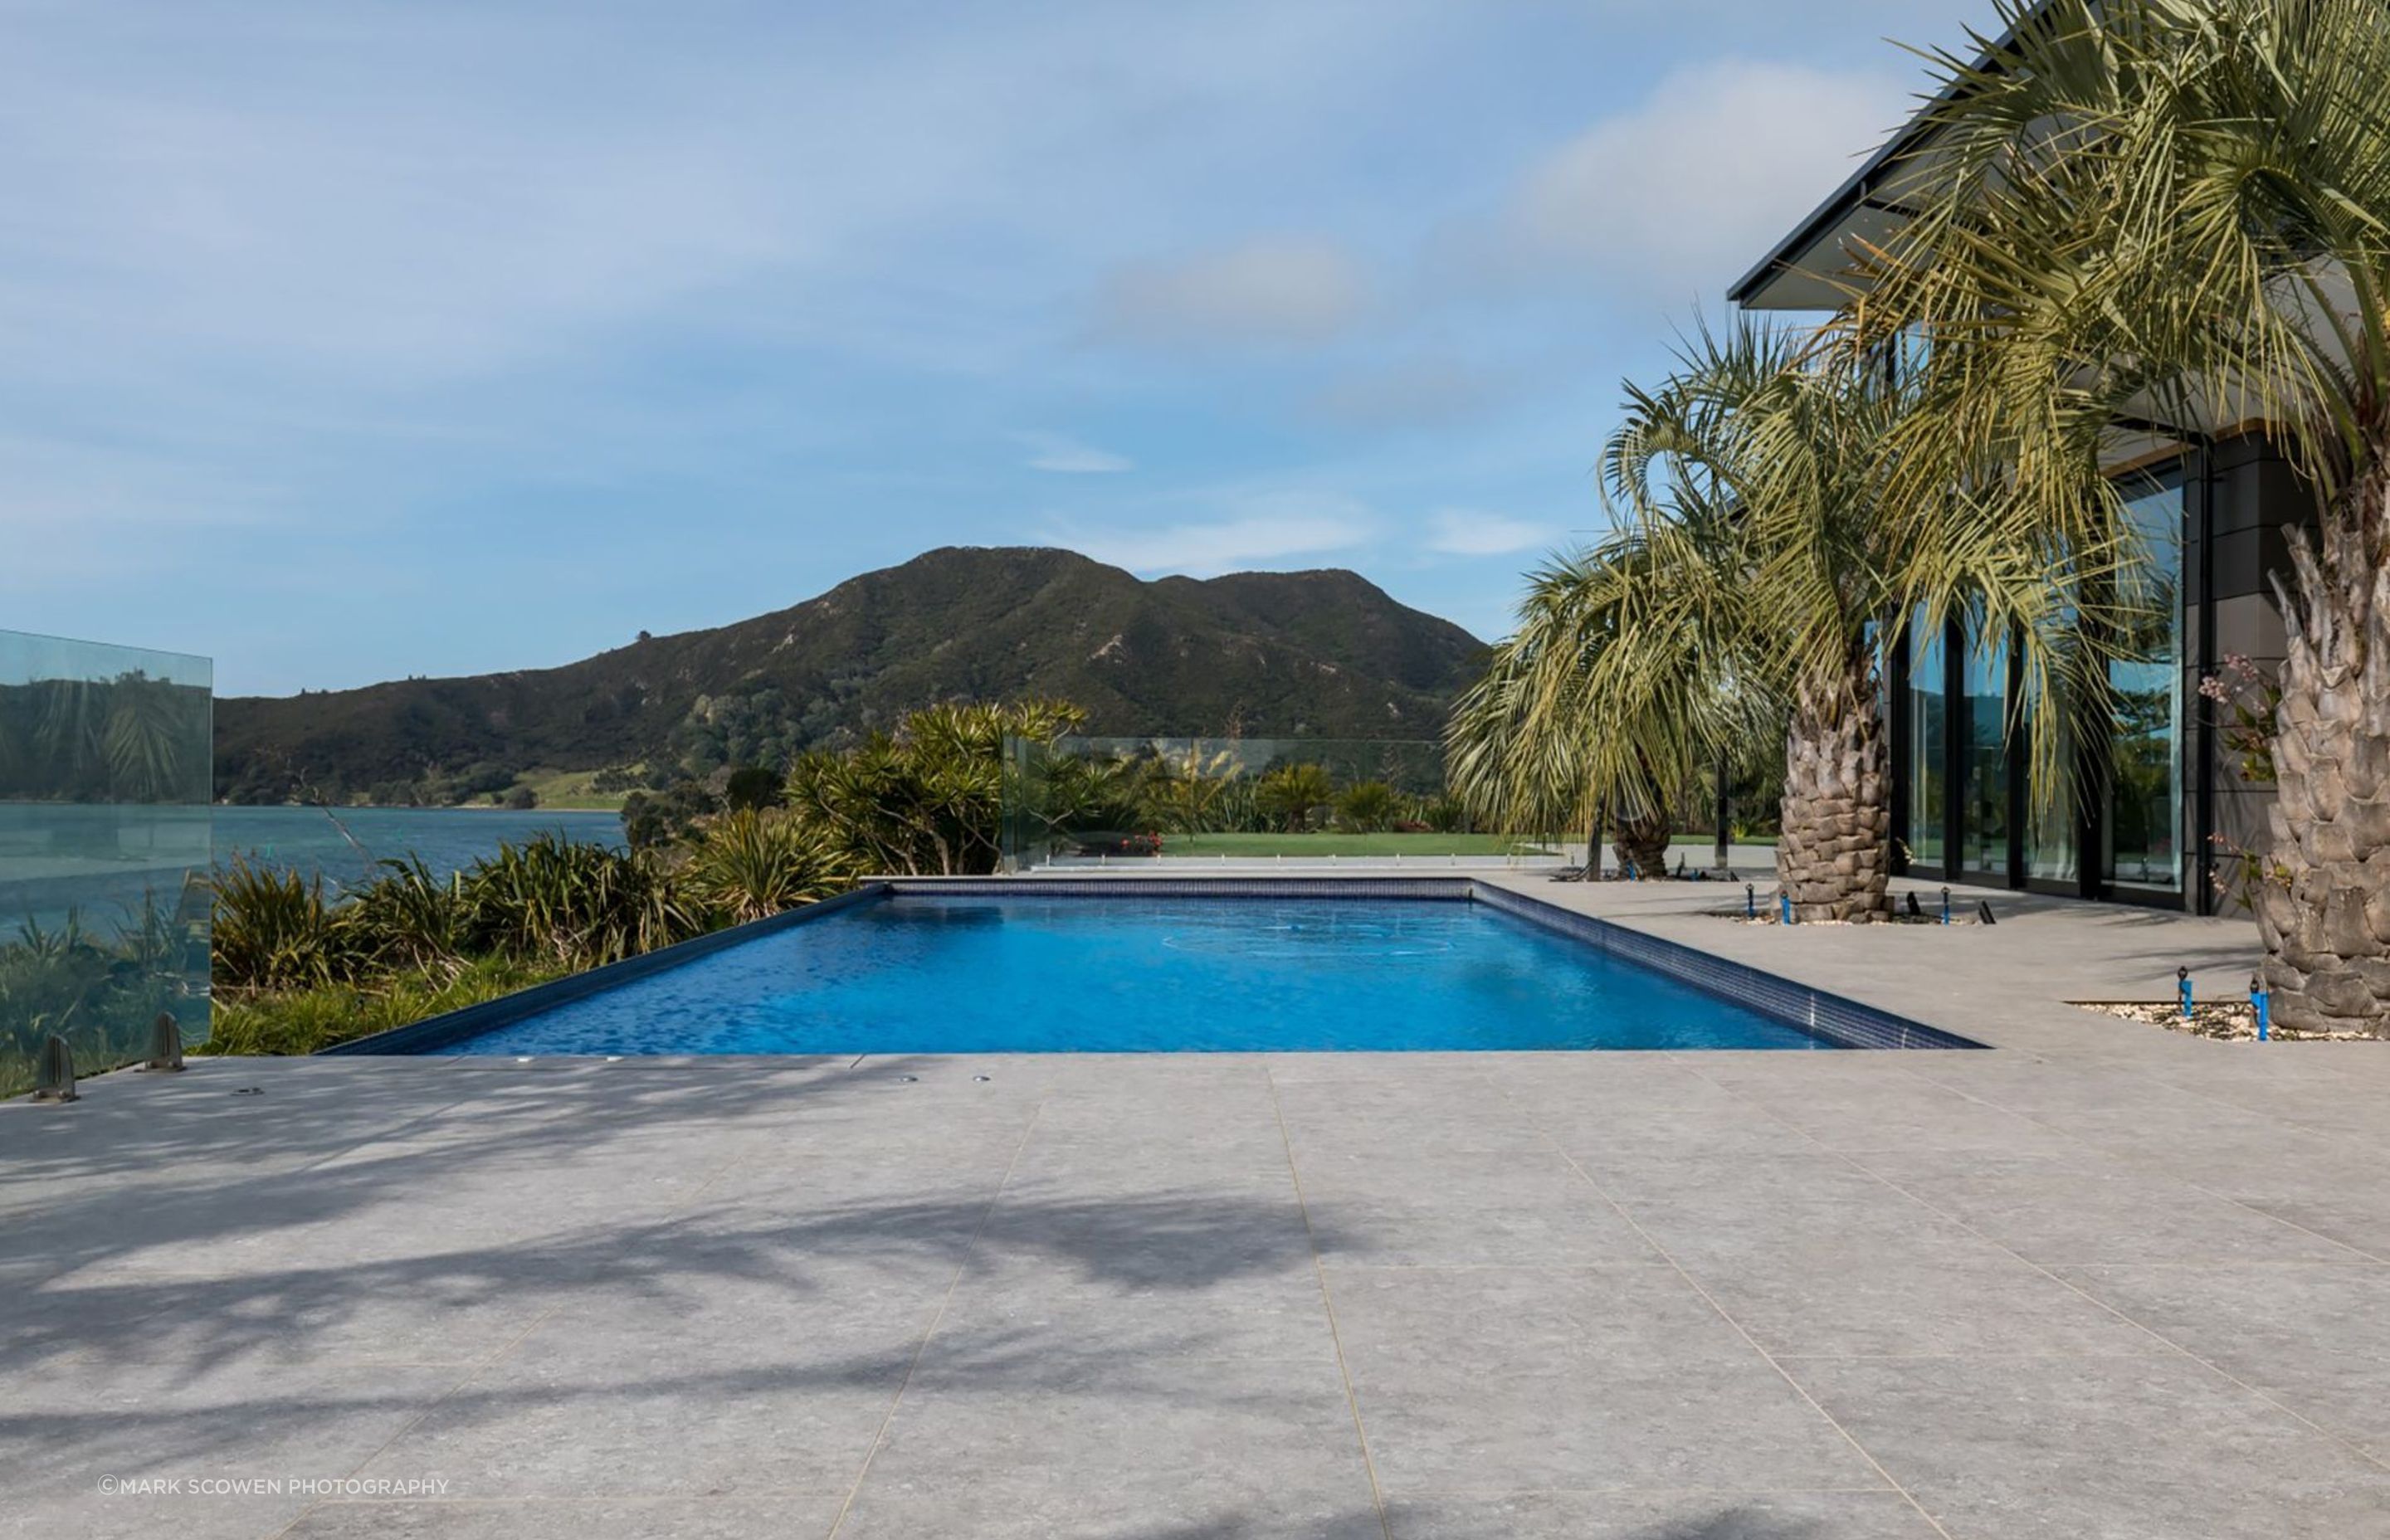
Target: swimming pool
point(978, 973)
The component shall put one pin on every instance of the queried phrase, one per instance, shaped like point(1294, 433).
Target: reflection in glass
point(2144, 825)
point(1986, 825)
point(105, 776)
point(2049, 809)
point(1928, 729)
point(1100, 800)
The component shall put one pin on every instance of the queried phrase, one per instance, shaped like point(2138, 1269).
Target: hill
point(1312, 654)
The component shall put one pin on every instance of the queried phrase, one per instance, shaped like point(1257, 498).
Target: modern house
point(2155, 803)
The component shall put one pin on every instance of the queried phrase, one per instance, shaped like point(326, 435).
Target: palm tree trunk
point(1833, 856)
point(1641, 844)
point(2324, 908)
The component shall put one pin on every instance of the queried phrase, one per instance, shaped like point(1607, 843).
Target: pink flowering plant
point(2242, 703)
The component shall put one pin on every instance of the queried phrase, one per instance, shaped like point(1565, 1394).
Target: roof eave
point(1839, 205)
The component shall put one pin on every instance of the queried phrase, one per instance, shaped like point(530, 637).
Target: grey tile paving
point(1008, 1435)
point(1080, 1297)
point(1483, 1207)
point(1904, 1301)
point(2314, 1338)
point(64, 1434)
point(1879, 1515)
point(2098, 1449)
point(2120, 1216)
point(800, 1517)
point(1472, 1380)
point(639, 1405)
point(1271, 1311)
point(1178, 1514)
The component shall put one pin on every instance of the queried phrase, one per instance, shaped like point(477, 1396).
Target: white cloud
point(1469, 532)
point(1285, 290)
point(1265, 529)
point(1686, 190)
point(1065, 456)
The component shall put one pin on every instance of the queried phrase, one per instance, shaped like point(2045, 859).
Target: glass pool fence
point(105, 776)
point(1244, 804)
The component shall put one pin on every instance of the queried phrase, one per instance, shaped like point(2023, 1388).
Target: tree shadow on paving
point(1359, 1524)
point(132, 1125)
point(212, 1384)
point(286, 1258)
point(199, 1162)
point(1739, 1522)
point(293, 1283)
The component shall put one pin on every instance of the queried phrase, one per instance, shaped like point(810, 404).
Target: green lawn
point(570, 790)
point(1344, 844)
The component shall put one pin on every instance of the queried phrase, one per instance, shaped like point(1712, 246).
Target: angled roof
point(1808, 268)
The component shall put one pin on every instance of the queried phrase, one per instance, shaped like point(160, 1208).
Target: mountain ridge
point(1319, 653)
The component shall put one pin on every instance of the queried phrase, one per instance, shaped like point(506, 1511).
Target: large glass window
point(1929, 728)
point(1985, 756)
point(2049, 809)
point(2145, 824)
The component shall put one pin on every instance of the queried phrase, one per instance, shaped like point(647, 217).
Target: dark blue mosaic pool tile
point(1445, 888)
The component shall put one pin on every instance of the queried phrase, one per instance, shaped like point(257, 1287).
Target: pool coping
point(1834, 1020)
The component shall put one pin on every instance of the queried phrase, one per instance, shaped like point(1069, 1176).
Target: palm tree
point(1370, 807)
point(1184, 789)
point(2203, 242)
point(149, 724)
point(1759, 567)
point(1292, 793)
point(1550, 737)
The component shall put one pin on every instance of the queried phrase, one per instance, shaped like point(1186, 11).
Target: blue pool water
point(1028, 975)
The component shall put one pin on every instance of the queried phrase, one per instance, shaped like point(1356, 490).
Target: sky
point(344, 341)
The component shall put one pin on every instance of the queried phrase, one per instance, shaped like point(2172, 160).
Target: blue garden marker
point(2183, 987)
point(1945, 906)
point(1750, 901)
point(2261, 1001)
point(1786, 899)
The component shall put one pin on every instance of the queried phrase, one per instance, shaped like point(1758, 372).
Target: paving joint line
point(1723, 1313)
point(945, 1302)
point(2209, 1365)
point(1328, 1304)
point(1753, 1342)
point(479, 1367)
point(2196, 1186)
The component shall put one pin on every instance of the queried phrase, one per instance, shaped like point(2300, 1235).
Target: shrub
point(1370, 807)
point(928, 797)
point(1445, 815)
point(550, 900)
point(303, 1021)
point(751, 787)
point(274, 930)
point(409, 919)
point(751, 864)
point(667, 815)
